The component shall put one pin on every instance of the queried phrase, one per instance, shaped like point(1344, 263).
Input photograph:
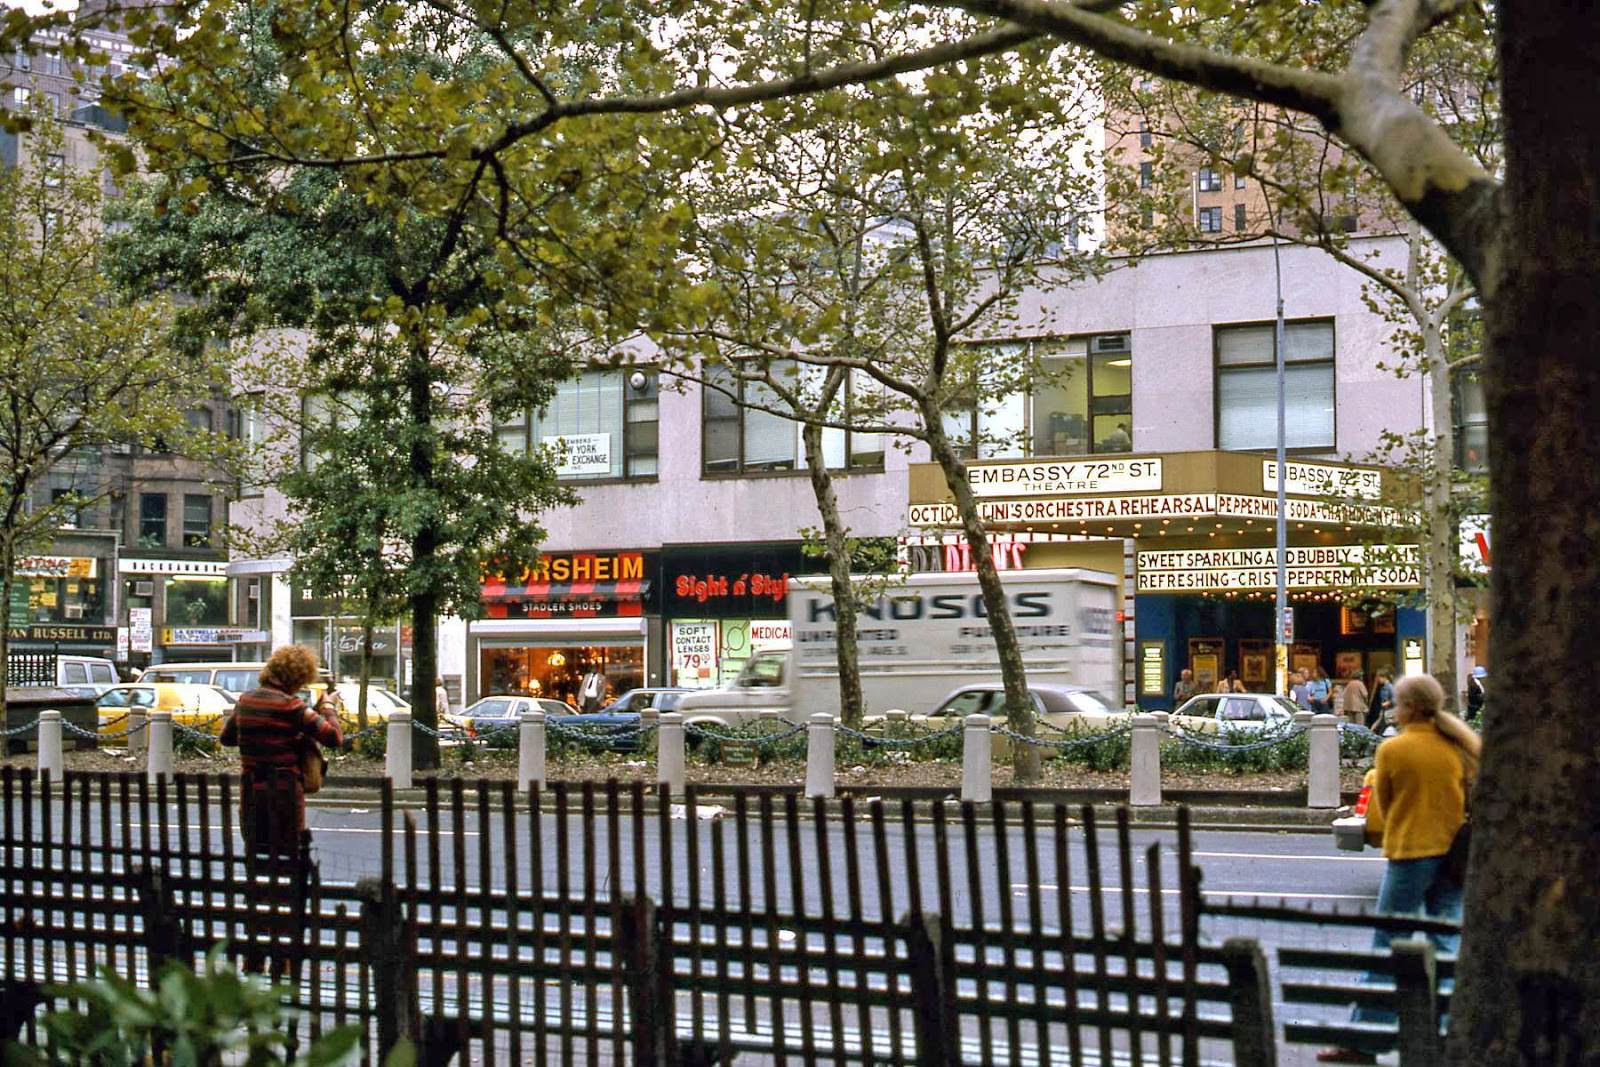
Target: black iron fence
point(608, 924)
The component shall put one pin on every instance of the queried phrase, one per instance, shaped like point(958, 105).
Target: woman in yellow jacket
point(1419, 799)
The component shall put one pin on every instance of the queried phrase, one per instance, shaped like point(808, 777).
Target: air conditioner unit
point(1110, 342)
point(144, 588)
point(74, 611)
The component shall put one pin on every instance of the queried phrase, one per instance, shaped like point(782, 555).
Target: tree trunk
point(1443, 545)
point(1025, 761)
point(424, 543)
point(836, 537)
point(366, 671)
point(1528, 990)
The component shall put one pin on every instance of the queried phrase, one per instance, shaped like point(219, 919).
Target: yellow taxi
point(200, 707)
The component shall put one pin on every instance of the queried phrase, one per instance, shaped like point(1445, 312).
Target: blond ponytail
point(1457, 732)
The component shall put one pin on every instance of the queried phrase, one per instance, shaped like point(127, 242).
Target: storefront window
point(64, 599)
point(1247, 386)
point(602, 424)
point(556, 670)
point(194, 601)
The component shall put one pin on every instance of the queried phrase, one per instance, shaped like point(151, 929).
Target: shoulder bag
point(1454, 868)
point(313, 765)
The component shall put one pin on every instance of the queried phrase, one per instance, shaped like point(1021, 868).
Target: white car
point(1065, 707)
point(381, 703)
point(1213, 712)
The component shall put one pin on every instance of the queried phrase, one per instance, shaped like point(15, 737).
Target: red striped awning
point(565, 600)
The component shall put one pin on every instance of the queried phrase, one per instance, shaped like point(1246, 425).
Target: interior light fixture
point(1123, 361)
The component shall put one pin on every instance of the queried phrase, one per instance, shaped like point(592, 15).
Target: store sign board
point(1062, 477)
point(1399, 576)
point(1322, 479)
point(122, 642)
point(702, 588)
point(140, 637)
point(56, 567)
point(210, 635)
point(585, 567)
point(694, 652)
point(206, 568)
point(580, 453)
point(60, 634)
point(1475, 544)
point(739, 753)
point(1152, 668)
point(770, 636)
point(1302, 556)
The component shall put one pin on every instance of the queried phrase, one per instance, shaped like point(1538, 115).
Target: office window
point(1247, 404)
point(196, 521)
point(1144, 135)
point(20, 95)
point(1147, 217)
point(602, 424)
point(1239, 181)
point(152, 520)
point(1471, 424)
point(1209, 180)
point(1211, 220)
point(1147, 174)
point(745, 430)
point(246, 424)
point(1240, 222)
point(1084, 400)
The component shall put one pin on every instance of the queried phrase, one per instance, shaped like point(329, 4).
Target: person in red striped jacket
point(274, 730)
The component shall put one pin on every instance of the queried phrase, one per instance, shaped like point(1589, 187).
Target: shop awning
point(546, 600)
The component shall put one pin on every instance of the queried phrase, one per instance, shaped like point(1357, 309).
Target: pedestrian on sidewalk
point(1184, 689)
point(1300, 691)
point(277, 734)
point(1353, 700)
point(1320, 690)
point(1380, 714)
point(1420, 799)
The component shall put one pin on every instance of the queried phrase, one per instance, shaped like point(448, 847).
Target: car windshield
point(763, 671)
point(667, 701)
point(202, 677)
point(1089, 702)
point(491, 708)
point(211, 700)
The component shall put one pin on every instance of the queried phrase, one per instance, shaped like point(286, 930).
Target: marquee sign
point(1322, 479)
point(1060, 477)
point(1307, 567)
point(1180, 506)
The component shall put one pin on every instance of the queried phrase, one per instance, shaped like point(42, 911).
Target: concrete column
point(530, 751)
point(1322, 783)
point(977, 760)
point(50, 744)
point(138, 738)
point(819, 755)
point(158, 764)
point(397, 750)
point(669, 752)
point(1144, 779)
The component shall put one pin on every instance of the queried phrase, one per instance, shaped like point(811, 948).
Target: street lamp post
point(1282, 635)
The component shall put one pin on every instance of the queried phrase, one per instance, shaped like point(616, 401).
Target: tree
point(398, 490)
point(1528, 986)
point(1312, 192)
point(80, 369)
point(884, 238)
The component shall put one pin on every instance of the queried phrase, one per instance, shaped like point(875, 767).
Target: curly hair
point(291, 667)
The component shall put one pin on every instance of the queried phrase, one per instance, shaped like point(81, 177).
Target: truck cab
point(760, 690)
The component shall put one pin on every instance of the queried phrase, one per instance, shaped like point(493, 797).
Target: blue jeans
point(1411, 887)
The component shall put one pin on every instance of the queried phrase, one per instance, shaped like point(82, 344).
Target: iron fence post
point(649, 982)
point(1416, 999)
point(1250, 997)
point(930, 950)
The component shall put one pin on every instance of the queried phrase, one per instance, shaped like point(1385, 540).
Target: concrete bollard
point(1322, 783)
point(1302, 719)
point(894, 724)
point(1144, 779)
point(530, 751)
point(977, 760)
point(158, 762)
point(669, 752)
point(397, 750)
point(50, 745)
point(819, 755)
point(138, 727)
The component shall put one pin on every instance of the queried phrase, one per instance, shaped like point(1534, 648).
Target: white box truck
point(925, 636)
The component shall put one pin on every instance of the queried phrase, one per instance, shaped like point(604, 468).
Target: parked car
point(1213, 712)
point(1065, 707)
point(381, 703)
point(85, 675)
point(200, 707)
point(636, 700)
point(235, 678)
point(495, 712)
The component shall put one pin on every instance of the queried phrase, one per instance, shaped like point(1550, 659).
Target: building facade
point(693, 516)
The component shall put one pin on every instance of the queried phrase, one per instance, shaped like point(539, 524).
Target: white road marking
point(1290, 856)
point(1019, 889)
